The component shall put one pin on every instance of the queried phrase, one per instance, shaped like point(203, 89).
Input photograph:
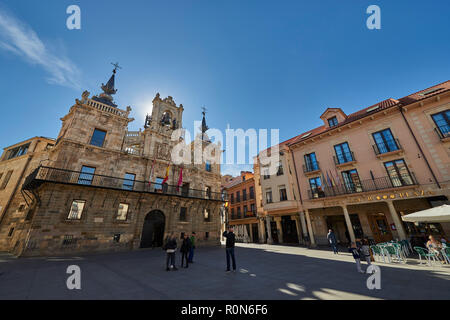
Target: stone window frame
point(6, 179)
point(209, 211)
point(280, 187)
point(185, 215)
point(83, 212)
point(438, 109)
point(92, 134)
point(127, 213)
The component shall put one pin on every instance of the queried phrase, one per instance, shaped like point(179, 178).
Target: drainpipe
point(418, 145)
point(25, 167)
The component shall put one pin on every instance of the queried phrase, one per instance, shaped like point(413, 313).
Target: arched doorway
point(153, 230)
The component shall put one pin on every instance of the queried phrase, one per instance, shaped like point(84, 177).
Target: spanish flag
point(167, 175)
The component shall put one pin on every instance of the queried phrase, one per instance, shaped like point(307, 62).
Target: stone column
point(398, 224)
point(269, 232)
point(299, 230)
point(262, 231)
point(349, 224)
point(310, 229)
point(303, 221)
point(279, 229)
point(251, 232)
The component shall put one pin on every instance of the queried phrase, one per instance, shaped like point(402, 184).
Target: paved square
point(264, 272)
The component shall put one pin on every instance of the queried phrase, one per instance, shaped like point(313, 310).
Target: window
point(208, 192)
point(266, 173)
point(232, 213)
point(238, 196)
point(232, 198)
point(158, 184)
point(238, 215)
point(116, 238)
point(206, 215)
point(332, 122)
point(253, 208)
point(442, 121)
point(10, 233)
point(351, 181)
point(316, 187)
point(76, 209)
point(269, 196)
point(183, 215)
point(86, 175)
point(398, 173)
point(343, 153)
point(280, 168)
point(283, 193)
point(384, 141)
point(252, 193)
point(208, 165)
point(122, 212)
point(98, 138)
point(244, 195)
point(17, 152)
point(206, 235)
point(245, 211)
point(6, 180)
point(311, 163)
point(128, 181)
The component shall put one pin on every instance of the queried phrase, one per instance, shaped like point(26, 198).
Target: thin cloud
point(18, 38)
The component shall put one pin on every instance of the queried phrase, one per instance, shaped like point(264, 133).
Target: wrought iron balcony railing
point(344, 158)
point(311, 167)
point(363, 186)
point(44, 174)
point(443, 132)
point(388, 146)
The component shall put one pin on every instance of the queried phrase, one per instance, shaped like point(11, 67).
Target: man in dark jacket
point(231, 238)
point(185, 248)
point(332, 241)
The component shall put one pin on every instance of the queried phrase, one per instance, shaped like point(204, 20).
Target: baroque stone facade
point(100, 187)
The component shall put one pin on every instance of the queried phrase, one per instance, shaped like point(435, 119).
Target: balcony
point(61, 176)
point(346, 159)
point(311, 168)
point(363, 186)
point(388, 148)
point(444, 137)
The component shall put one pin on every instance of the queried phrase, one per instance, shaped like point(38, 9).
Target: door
point(380, 228)
point(255, 233)
point(153, 230)
point(274, 231)
point(289, 230)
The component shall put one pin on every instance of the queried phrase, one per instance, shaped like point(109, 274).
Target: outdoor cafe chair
point(425, 254)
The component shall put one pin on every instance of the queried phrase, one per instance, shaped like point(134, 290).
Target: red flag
point(180, 179)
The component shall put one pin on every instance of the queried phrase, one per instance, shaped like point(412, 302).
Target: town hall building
point(100, 187)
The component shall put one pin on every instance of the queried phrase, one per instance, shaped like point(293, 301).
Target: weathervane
point(116, 66)
point(204, 110)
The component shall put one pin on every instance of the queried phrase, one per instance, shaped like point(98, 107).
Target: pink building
point(359, 173)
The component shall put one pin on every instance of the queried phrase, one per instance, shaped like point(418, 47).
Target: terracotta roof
point(426, 93)
point(385, 104)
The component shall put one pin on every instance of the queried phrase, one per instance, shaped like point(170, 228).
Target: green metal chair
point(425, 254)
point(377, 252)
point(446, 254)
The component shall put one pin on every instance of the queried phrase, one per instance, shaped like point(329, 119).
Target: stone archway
point(153, 229)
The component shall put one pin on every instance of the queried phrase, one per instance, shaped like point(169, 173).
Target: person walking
point(354, 251)
point(365, 251)
point(231, 239)
point(185, 249)
point(170, 247)
point(191, 250)
point(332, 241)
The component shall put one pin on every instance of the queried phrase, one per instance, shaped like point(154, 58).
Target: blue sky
point(253, 64)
